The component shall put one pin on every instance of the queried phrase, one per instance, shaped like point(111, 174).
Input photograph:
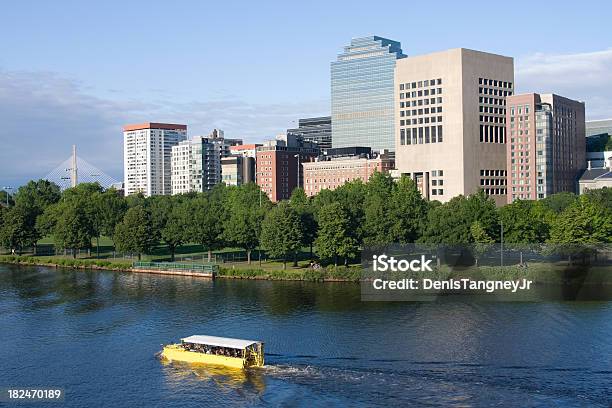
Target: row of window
point(420, 84)
point(492, 134)
point(421, 102)
point(420, 135)
point(420, 121)
point(494, 82)
point(495, 92)
point(418, 94)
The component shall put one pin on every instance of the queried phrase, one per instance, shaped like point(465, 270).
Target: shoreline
point(84, 264)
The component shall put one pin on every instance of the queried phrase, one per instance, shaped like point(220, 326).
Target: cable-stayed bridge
point(75, 170)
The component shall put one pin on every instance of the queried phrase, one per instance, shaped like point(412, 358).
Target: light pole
point(6, 190)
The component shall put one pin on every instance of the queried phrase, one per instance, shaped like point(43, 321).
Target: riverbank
point(328, 274)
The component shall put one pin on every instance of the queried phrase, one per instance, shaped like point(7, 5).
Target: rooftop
point(152, 125)
point(219, 341)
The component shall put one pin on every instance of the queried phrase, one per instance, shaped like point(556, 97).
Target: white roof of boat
point(219, 341)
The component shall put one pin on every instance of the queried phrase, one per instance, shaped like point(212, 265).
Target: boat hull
point(174, 353)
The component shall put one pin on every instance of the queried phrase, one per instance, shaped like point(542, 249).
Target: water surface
point(96, 334)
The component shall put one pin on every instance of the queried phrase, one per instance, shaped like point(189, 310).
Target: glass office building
point(362, 93)
point(316, 130)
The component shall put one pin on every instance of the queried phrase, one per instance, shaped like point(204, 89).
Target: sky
point(74, 72)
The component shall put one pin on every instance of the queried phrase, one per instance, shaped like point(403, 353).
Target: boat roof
point(219, 341)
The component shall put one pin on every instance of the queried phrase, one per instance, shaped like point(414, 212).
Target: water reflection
point(93, 330)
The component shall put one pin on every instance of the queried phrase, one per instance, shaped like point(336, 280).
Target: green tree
point(38, 195)
point(334, 238)
point(135, 232)
point(304, 208)
point(281, 233)
point(111, 209)
point(242, 226)
point(175, 230)
point(450, 223)
point(73, 228)
point(17, 230)
point(206, 227)
point(580, 227)
point(525, 224)
point(482, 241)
point(408, 211)
point(378, 223)
point(559, 201)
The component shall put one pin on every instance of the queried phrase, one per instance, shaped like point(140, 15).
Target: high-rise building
point(362, 93)
point(317, 130)
point(196, 163)
point(247, 150)
point(450, 110)
point(279, 165)
point(546, 146)
point(147, 149)
point(341, 165)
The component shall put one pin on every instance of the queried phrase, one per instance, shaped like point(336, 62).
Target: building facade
point(362, 95)
point(247, 150)
point(333, 171)
point(237, 170)
point(196, 163)
point(147, 151)
point(546, 149)
point(450, 112)
point(279, 164)
point(598, 127)
point(317, 130)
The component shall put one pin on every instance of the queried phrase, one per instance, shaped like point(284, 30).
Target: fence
point(206, 268)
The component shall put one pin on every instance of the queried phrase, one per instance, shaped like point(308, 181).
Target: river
point(96, 335)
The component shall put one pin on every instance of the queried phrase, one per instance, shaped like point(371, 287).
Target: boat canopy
point(219, 341)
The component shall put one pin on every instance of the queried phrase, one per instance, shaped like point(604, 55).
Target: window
point(440, 134)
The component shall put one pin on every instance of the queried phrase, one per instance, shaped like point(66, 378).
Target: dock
point(202, 270)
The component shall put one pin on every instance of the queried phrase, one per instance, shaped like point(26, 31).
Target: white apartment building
point(196, 163)
point(147, 150)
point(450, 111)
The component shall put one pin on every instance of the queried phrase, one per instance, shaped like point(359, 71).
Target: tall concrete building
point(362, 93)
point(450, 114)
point(147, 150)
point(317, 130)
point(546, 150)
point(279, 165)
point(196, 163)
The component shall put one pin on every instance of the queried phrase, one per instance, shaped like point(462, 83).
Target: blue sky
point(74, 72)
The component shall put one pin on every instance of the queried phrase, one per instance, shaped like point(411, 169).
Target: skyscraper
point(450, 116)
point(362, 95)
point(547, 146)
point(147, 151)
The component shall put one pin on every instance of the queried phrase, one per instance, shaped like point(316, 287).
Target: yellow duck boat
point(223, 351)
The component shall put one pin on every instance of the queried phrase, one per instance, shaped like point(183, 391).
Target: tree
point(17, 230)
point(581, 225)
point(38, 195)
point(304, 208)
point(482, 241)
point(175, 230)
point(525, 224)
point(135, 232)
point(559, 201)
point(378, 222)
point(408, 211)
point(206, 227)
point(73, 228)
point(281, 233)
point(450, 223)
point(111, 208)
point(335, 238)
point(243, 223)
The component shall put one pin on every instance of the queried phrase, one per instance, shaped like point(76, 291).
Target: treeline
point(335, 225)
